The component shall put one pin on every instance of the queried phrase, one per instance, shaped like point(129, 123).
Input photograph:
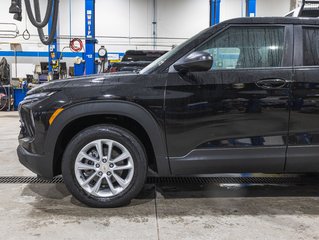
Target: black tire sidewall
point(129, 141)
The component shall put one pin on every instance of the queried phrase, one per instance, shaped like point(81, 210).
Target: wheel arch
point(125, 110)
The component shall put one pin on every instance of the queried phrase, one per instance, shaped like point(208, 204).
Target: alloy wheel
point(104, 168)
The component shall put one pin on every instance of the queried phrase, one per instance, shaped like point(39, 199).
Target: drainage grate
point(174, 180)
point(26, 180)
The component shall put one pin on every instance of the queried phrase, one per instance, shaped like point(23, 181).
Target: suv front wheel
point(104, 166)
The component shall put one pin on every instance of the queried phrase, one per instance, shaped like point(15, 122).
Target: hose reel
point(52, 10)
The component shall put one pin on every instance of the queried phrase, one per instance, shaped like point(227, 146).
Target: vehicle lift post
point(250, 8)
point(214, 12)
point(54, 47)
point(90, 41)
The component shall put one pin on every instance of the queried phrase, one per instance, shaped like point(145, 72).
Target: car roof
point(272, 20)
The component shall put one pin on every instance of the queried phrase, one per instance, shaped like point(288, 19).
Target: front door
point(233, 118)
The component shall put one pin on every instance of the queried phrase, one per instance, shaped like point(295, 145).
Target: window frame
point(287, 60)
point(299, 41)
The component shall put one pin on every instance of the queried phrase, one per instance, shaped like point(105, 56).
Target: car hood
point(85, 81)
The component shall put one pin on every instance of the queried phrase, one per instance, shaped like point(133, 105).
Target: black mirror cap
point(195, 62)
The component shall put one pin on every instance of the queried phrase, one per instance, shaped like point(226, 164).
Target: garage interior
point(93, 37)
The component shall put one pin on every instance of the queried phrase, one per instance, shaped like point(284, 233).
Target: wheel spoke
point(124, 167)
point(122, 157)
point(111, 186)
point(99, 148)
point(88, 180)
point(88, 157)
point(109, 152)
point(83, 166)
point(120, 181)
point(97, 185)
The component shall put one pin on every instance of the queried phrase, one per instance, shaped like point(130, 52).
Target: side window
point(246, 47)
point(310, 46)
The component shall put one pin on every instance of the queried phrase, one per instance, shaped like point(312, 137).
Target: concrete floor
point(48, 211)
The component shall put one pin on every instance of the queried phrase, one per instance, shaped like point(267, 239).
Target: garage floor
point(184, 211)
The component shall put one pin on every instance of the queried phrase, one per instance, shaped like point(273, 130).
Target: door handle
point(274, 83)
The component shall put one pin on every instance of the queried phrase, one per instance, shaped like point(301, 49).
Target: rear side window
point(311, 46)
point(246, 47)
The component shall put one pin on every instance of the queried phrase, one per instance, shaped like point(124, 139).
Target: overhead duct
point(52, 10)
point(38, 23)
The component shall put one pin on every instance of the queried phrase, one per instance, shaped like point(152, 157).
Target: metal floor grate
point(174, 180)
point(28, 180)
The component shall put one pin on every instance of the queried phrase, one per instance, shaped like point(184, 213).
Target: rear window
point(311, 46)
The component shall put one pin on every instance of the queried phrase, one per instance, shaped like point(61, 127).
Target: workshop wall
point(232, 9)
point(272, 8)
point(127, 24)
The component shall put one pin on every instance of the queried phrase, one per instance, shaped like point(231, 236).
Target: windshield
point(158, 62)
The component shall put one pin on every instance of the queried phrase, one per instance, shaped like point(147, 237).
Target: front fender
point(121, 108)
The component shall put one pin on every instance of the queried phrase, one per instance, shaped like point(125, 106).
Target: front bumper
point(36, 150)
point(36, 163)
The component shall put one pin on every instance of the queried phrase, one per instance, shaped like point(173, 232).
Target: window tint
point(246, 47)
point(311, 46)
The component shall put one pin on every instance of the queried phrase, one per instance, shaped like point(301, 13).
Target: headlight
point(37, 96)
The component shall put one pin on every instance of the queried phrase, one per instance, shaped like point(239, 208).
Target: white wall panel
point(182, 18)
point(232, 9)
point(270, 8)
point(76, 22)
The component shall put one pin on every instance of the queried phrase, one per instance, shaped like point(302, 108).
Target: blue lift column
point(214, 12)
point(250, 8)
point(54, 47)
point(90, 40)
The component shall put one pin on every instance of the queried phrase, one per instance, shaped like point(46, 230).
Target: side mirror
point(195, 62)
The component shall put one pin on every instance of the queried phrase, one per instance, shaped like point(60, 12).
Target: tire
point(109, 191)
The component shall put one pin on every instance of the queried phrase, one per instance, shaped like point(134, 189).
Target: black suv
point(240, 97)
